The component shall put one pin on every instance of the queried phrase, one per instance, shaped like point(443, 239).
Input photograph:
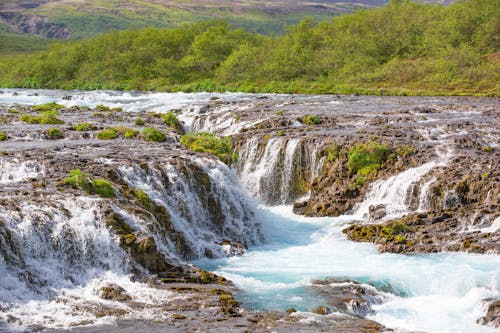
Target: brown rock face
point(35, 25)
point(492, 317)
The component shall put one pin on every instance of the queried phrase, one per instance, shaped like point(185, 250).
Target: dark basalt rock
point(492, 317)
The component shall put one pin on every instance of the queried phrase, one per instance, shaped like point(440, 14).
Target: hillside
point(402, 48)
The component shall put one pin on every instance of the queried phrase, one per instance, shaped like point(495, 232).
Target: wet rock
point(492, 317)
point(114, 292)
point(377, 212)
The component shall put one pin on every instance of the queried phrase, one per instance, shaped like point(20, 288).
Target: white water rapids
point(436, 293)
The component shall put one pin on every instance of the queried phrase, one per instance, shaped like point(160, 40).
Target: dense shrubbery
point(402, 48)
point(209, 143)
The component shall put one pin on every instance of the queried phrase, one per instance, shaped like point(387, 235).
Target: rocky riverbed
point(143, 209)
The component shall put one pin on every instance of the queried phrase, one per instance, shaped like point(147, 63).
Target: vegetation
point(139, 122)
point(3, 136)
point(209, 143)
point(82, 180)
point(153, 134)
point(365, 159)
point(171, 120)
point(84, 127)
point(311, 120)
point(144, 199)
point(393, 231)
point(44, 119)
point(332, 153)
point(47, 107)
point(107, 134)
point(402, 48)
point(54, 133)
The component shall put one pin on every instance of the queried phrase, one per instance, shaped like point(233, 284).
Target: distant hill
point(77, 19)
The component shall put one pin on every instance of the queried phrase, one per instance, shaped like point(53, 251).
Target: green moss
point(50, 113)
point(171, 120)
point(3, 136)
point(107, 134)
point(280, 133)
point(332, 153)
point(117, 109)
point(102, 107)
point(153, 134)
point(84, 127)
point(103, 188)
point(98, 114)
point(47, 107)
point(405, 151)
point(55, 133)
point(139, 122)
point(144, 199)
point(79, 179)
point(131, 133)
point(209, 143)
point(311, 120)
point(44, 119)
point(487, 149)
point(12, 111)
point(366, 159)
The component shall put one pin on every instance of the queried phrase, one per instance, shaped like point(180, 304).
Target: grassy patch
point(139, 122)
point(83, 181)
point(47, 107)
point(107, 134)
point(84, 127)
point(311, 120)
point(209, 143)
point(45, 119)
point(153, 134)
point(365, 159)
point(171, 120)
point(54, 133)
point(3, 136)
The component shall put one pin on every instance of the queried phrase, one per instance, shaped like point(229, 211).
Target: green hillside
point(403, 48)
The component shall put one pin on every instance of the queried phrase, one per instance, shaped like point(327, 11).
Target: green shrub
point(311, 120)
point(209, 143)
point(332, 153)
point(12, 111)
point(153, 134)
point(45, 119)
point(365, 159)
point(54, 133)
point(131, 133)
point(3, 136)
point(102, 107)
point(144, 199)
point(103, 188)
point(107, 134)
point(171, 120)
point(79, 179)
point(405, 151)
point(84, 127)
point(47, 107)
point(139, 122)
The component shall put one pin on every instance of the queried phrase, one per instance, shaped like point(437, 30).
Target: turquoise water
point(436, 292)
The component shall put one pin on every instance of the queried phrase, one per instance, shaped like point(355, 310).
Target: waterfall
point(15, 171)
point(204, 201)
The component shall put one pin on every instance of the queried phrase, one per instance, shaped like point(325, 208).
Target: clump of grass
point(102, 107)
point(487, 149)
point(103, 188)
point(12, 111)
point(171, 120)
point(44, 119)
point(144, 199)
point(139, 122)
point(365, 159)
point(47, 107)
point(98, 114)
point(3, 136)
point(49, 113)
point(84, 127)
point(153, 134)
point(107, 134)
point(405, 151)
point(311, 120)
point(82, 180)
point(332, 153)
point(209, 143)
point(55, 133)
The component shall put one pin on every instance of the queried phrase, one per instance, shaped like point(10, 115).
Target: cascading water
point(423, 292)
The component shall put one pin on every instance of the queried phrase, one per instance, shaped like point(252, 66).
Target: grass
point(84, 127)
point(83, 181)
point(311, 120)
point(44, 119)
point(209, 143)
point(3, 136)
point(153, 134)
point(139, 122)
point(171, 120)
point(107, 134)
point(365, 159)
point(55, 133)
point(47, 107)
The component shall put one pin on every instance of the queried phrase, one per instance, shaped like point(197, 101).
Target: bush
point(153, 134)
point(3, 136)
point(82, 180)
point(311, 120)
point(107, 134)
point(171, 120)
point(131, 133)
point(45, 119)
point(101, 107)
point(83, 127)
point(366, 159)
point(332, 153)
point(54, 133)
point(47, 107)
point(209, 143)
point(79, 179)
point(139, 122)
point(103, 188)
